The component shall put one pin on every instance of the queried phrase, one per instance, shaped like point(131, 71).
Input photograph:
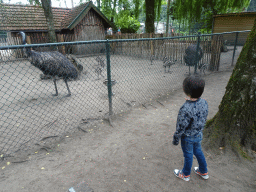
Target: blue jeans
point(192, 145)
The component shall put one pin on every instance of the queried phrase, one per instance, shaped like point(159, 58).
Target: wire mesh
point(141, 71)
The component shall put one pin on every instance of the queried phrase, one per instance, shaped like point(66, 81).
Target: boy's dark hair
point(193, 85)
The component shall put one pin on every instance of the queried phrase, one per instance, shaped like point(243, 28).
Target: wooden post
point(215, 54)
point(62, 48)
point(28, 40)
point(151, 45)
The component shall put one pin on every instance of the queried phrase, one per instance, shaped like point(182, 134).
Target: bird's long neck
point(28, 50)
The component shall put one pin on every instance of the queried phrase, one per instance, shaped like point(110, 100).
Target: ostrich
point(100, 61)
point(190, 55)
point(98, 71)
point(152, 58)
point(52, 63)
point(167, 63)
point(202, 67)
point(99, 68)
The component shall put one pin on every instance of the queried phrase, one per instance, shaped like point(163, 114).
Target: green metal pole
point(197, 49)
point(109, 78)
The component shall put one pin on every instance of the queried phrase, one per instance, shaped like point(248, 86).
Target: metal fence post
point(109, 77)
point(234, 49)
point(197, 49)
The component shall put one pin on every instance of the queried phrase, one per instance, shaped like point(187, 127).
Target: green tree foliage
point(126, 22)
point(112, 9)
point(124, 13)
point(106, 8)
point(192, 11)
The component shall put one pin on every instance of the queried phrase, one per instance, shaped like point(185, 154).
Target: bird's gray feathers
point(190, 55)
point(54, 64)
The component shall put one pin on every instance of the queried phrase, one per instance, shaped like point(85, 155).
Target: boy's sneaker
point(204, 176)
point(178, 173)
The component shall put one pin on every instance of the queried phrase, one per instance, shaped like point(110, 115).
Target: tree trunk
point(47, 6)
point(234, 125)
point(98, 4)
point(150, 16)
point(113, 11)
point(168, 16)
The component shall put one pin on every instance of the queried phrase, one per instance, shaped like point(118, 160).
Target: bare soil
point(136, 154)
point(29, 113)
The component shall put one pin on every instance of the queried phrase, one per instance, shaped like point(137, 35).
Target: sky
point(55, 3)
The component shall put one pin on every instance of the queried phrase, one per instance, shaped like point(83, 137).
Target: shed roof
point(31, 18)
point(242, 14)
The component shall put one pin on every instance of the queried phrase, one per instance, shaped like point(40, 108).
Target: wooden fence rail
point(6, 55)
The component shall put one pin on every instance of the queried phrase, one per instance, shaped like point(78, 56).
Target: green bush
point(127, 23)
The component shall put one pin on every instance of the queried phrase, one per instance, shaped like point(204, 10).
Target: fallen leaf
point(36, 152)
point(124, 180)
point(3, 167)
point(42, 168)
point(8, 163)
point(67, 136)
point(144, 158)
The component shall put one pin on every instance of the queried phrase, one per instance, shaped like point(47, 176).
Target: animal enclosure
point(30, 114)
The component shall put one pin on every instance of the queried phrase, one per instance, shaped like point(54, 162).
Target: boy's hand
point(175, 140)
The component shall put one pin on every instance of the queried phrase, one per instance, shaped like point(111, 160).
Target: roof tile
point(29, 17)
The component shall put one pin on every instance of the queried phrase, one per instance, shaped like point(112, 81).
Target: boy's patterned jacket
point(191, 119)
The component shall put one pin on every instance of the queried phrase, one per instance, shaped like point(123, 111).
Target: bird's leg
point(69, 93)
point(54, 81)
point(169, 69)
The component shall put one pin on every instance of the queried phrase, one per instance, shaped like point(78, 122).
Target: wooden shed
point(234, 22)
point(82, 23)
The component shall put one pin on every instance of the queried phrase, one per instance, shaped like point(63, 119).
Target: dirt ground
point(29, 113)
point(136, 154)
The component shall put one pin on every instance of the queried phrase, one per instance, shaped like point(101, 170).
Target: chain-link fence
point(140, 71)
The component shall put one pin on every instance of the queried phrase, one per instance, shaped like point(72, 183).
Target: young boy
point(190, 123)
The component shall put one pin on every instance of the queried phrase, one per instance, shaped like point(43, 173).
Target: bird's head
point(23, 35)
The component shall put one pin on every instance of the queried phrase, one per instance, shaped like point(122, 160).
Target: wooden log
point(216, 51)
point(61, 39)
